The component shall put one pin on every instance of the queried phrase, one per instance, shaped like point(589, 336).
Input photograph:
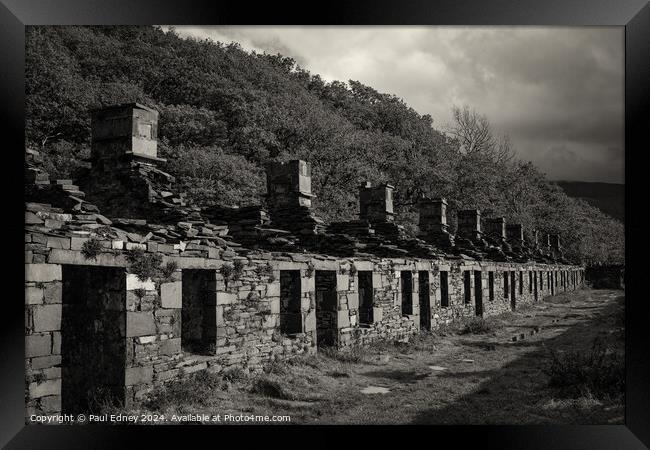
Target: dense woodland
point(225, 112)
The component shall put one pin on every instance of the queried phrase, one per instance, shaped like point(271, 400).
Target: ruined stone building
point(127, 286)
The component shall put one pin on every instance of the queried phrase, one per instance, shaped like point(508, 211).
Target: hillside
point(225, 113)
point(608, 197)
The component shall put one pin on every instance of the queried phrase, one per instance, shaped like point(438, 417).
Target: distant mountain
point(608, 197)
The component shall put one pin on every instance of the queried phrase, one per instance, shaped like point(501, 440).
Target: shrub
point(238, 269)
point(104, 231)
point(600, 372)
point(477, 325)
point(232, 271)
point(271, 387)
point(144, 265)
point(195, 389)
point(277, 368)
point(226, 272)
point(354, 354)
point(234, 374)
point(91, 248)
point(104, 400)
point(265, 271)
point(168, 269)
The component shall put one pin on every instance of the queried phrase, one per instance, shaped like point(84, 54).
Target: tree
point(225, 113)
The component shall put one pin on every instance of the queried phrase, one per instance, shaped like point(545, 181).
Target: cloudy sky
point(556, 91)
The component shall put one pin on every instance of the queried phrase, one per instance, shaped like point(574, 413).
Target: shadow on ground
point(514, 390)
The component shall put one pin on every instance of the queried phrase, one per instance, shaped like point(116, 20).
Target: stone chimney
point(469, 224)
point(495, 228)
point(124, 180)
point(289, 197)
point(515, 234)
point(124, 132)
point(376, 203)
point(433, 215)
point(288, 185)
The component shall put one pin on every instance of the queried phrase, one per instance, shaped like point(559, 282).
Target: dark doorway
point(326, 309)
point(478, 292)
point(407, 292)
point(535, 285)
point(491, 285)
point(290, 308)
point(513, 290)
point(93, 348)
point(521, 283)
point(506, 284)
point(425, 299)
point(366, 297)
point(198, 314)
point(467, 287)
point(550, 283)
point(444, 289)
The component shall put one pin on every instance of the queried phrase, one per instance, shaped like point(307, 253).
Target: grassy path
point(442, 378)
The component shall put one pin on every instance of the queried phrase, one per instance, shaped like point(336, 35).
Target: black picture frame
point(634, 15)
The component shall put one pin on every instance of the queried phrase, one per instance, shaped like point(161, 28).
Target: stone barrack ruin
point(127, 286)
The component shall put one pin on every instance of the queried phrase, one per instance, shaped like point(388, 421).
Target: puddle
point(438, 368)
point(468, 360)
point(375, 390)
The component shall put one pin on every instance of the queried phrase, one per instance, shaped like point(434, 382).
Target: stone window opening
point(424, 296)
point(478, 292)
point(406, 279)
point(467, 287)
point(506, 285)
point(530, 281)
point(366, 297)
point(290, 305)
point(491, 285)
point(326, 308)
point(198, 313)
point(513, 290)
point(444, 289)
point(521, 283)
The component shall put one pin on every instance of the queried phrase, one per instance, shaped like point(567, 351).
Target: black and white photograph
point(326, 225)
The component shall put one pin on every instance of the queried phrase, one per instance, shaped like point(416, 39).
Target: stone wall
point(239, 310)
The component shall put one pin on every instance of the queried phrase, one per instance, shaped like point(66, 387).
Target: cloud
point(556, 91)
